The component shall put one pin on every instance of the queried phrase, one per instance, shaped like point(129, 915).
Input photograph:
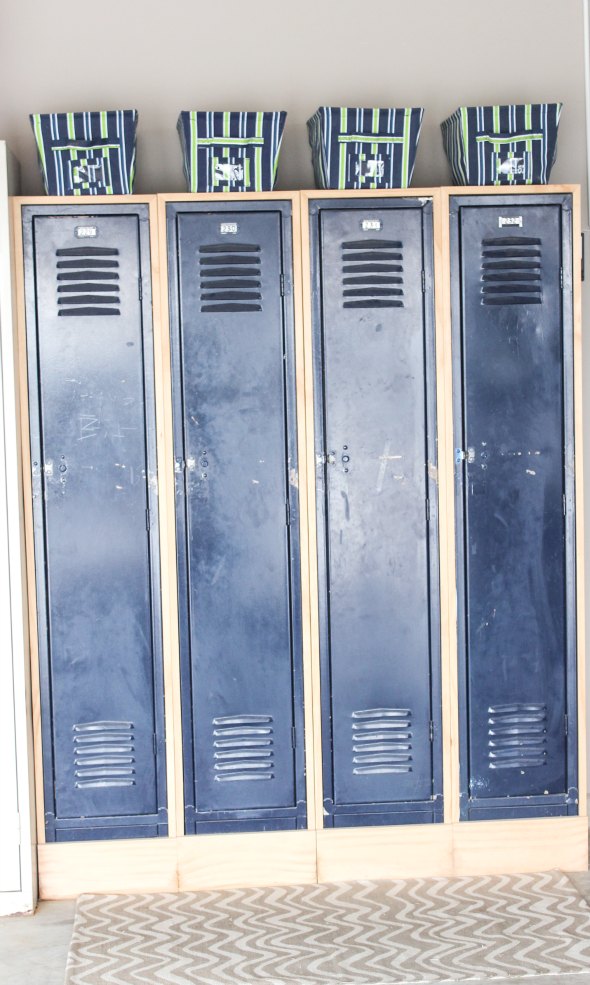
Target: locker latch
point(464, 456)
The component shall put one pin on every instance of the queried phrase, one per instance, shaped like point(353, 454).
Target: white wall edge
point(14, 612)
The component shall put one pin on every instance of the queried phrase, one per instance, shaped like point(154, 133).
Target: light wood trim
point(21, 347)
point(289, 857)
point(579, 499)
point(400, 852)
point(500, 190)
point(175, 773)
point(531, 845)
point(316, 817)
point(222, 197)
point(67, 869)
point(85, 203)
point(167, 525)
point(446, 492)
point(269, 858)
point(302, 484)
point(308, 195)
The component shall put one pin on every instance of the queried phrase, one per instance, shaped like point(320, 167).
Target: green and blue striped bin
point(231, 151)
point(512, 144)
point(86, 153)
point(364, 148)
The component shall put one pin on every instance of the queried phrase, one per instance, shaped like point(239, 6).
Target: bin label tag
point(371, 168)
point(229, 172)
point(512, 165)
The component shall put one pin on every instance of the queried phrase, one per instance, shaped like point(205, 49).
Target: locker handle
point(467, 456)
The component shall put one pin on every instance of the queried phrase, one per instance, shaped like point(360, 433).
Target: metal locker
point(93, 454)
point(374, 377)
point(513, 360)
point(233, 374)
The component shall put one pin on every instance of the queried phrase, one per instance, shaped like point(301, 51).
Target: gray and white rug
point(356, 933)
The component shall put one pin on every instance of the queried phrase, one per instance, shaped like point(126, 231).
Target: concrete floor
point(34, 949)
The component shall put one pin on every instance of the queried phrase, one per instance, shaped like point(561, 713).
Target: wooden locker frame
point(316, 854)
point(455, 847)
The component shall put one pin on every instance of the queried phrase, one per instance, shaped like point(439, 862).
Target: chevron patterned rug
point(357, 933)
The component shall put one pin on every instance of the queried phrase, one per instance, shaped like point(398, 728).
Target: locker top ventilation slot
point(243, 748)
point(511, 271)
point(104, 754)
point(372, 274)
point(230, 277)
point(87, 281)
point(517, 736)
point(381, 741)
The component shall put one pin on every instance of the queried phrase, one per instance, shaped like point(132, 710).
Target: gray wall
point(161, 56)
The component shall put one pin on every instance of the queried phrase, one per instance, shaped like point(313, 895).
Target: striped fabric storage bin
point(86, 153)
point(364, 148)
point(502, 145)
point(231, 152)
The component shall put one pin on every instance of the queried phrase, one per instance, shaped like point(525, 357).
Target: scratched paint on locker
point(92, 439)
point(512, 479)
point(375, 550)
point(237, 514)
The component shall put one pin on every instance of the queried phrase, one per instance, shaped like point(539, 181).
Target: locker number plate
point(371, 225)
point(510, 220)
point(86, 232)
point(228, 227)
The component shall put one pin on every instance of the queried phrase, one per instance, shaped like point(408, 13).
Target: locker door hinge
point(431, 731)
point(566, 725)
point(423, 282)
point(148, 519)
point(583, 260)
point(564, 504)
point(282, 282)
point(288, 513)
point(293, 738)
point(155, 742)
point(140, 288)
point(561, 278)
point(427, 511)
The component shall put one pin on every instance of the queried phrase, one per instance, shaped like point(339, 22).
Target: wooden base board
point(270, 858)
point(304, 857)
point(476, 848)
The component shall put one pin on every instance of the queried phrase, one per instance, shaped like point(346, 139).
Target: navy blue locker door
point(377, 511)
point(96, 542)
point(512, 314)
point(237, 516)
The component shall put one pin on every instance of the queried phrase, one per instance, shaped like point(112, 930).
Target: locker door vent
point(517, 736)
point(104, 754)
point(87, 281)
point(381, 741)
point(372, 272)
point(511, 271)
point(230, 277)
point(243, 748)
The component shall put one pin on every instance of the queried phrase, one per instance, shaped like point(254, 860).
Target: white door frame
point(18, 864)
